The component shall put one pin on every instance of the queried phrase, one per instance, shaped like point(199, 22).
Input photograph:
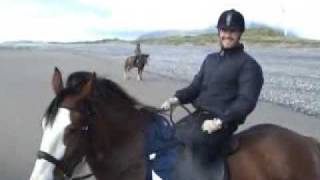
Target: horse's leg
point(139, 77)
point(141, 70)
point(125, 76)
point(125, 73)
point(127, 70)
point(126, 65)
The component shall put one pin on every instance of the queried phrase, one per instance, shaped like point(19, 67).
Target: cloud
point(74, 20)
point(49, 21)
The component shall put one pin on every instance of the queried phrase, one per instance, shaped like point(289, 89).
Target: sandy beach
point(26, 92)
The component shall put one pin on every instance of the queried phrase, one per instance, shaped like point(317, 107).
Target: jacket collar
point(238, 48)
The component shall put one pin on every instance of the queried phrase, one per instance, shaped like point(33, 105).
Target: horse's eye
point(71, 129)
point(76, 115)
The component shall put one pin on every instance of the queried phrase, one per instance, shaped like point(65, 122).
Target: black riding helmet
point(231, 19)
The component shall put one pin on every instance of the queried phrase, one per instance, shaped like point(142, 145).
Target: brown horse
point(135, 62)
point(94, 118)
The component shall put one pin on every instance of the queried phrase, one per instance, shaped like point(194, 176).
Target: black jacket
point(228, 85)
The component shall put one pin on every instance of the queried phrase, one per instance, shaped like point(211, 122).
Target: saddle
point(218, 168)
point(160, 153)
point(233, 145)
point(136, 60)
point(189, 168)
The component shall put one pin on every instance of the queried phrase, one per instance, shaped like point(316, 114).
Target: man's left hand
point(211, 125)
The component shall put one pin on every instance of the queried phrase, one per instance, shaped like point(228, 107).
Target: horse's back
point(130, 61)
point(273, 134)
point(273, 152)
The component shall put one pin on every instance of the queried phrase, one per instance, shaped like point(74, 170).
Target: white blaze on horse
point(135, 62)
point(52, 143)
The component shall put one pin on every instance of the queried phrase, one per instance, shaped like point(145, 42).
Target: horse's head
point(65, 128)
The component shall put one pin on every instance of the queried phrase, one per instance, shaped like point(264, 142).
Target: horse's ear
point(57, 83)
point(87, 88)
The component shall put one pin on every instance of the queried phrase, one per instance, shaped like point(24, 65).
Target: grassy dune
point(263, 36)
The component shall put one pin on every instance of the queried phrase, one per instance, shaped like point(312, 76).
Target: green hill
point(260, 35)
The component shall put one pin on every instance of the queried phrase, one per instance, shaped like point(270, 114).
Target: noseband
point(67, 174)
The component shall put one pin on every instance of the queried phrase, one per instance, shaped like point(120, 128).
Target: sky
point(78, 20)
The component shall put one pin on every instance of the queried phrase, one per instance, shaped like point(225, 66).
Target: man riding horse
point(224, 92)
point(137, 53)
point(139, 60)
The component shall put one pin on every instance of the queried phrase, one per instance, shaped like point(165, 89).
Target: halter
point(67, 173)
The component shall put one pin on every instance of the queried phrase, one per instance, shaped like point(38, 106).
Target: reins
point(171, 113)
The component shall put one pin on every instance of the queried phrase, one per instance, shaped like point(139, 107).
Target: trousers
point(205, 147)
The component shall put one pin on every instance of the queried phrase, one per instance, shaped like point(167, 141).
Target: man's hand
point(170, 103)
point(211, 125)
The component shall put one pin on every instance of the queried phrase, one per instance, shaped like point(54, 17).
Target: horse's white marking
point(82, 169)
point(139, 78)
point(52, 143)
point(152, 156)
point(138, 107)
point(155, 176)
point(125, 76)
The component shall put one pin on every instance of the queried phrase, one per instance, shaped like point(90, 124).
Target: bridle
point(67, 173)
point(60, 165)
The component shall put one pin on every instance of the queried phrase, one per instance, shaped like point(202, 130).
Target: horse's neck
point(111, 147)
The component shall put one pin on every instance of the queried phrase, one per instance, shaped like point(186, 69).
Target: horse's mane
point(103, 90)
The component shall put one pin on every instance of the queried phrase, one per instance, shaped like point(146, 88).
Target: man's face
point(229, 37)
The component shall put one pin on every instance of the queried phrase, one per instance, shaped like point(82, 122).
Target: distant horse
point(135, 62)
point(93, 118)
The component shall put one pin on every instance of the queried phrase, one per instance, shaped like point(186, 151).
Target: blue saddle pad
point(161, 154)
point(160, 145)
